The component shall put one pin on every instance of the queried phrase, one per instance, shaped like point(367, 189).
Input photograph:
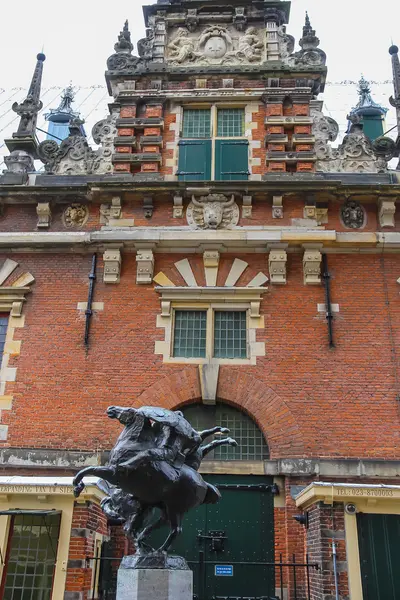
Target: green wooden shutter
point(231, 160)
point(194, 160)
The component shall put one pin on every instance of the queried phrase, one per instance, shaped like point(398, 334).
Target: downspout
point(328, 305)
point(89, 311)
point(335, 572)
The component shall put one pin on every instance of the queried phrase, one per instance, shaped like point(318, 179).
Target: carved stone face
point(215, 47)
point(213, 214)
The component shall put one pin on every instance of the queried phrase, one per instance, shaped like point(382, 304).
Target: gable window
point(213, 146)
point(210, 334)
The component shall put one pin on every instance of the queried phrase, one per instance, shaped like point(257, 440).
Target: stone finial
point(124, 43)
point(23, 144)
point(312, 266)
point(395, 100)
point(309, 39)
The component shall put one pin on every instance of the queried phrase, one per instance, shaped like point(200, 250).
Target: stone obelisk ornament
point(154, 465)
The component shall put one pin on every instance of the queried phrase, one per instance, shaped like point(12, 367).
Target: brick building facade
point(241, 267)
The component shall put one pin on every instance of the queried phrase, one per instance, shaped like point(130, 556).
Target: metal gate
point(379, 544)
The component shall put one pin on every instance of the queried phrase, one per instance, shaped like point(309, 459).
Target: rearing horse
point(154, 483)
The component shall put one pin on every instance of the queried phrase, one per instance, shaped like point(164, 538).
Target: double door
point(230, 545)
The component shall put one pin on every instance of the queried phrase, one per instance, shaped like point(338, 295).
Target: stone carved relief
point(75, 215)
point(215, 211)
point(353, 214)
point(74, 156)
point(216, 45)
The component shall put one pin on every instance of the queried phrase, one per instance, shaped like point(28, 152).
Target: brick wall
point(309, 400)
point(88, 520)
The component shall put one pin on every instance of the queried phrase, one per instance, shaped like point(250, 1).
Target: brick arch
point(242, 390)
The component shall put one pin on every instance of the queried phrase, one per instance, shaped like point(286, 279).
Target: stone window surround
point(249, 107)
point(11, 301)
point(210, 299)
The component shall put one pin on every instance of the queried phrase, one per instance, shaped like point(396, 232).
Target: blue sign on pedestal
point(224, 570)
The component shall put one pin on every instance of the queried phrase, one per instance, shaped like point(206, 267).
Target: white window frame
point(210, 331)
point(211, 299)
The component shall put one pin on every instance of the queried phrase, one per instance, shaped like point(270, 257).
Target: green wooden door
point(379, 544)
point(231, 160)
point(194, 160)
point(244, 520)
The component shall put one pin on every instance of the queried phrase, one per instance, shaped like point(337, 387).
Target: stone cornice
point(184, 239)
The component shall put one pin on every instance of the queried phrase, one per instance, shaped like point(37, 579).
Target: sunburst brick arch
point(225, 297)
point(14, 286)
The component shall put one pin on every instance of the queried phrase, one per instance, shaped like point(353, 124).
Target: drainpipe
point(89, 311)
point(328, 304)
point(335, 572)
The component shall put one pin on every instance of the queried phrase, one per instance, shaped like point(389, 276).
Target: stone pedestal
point(154, 577)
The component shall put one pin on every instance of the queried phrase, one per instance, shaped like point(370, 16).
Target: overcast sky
point(78, 36)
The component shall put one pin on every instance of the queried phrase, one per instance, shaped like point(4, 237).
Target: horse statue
point(154, 464)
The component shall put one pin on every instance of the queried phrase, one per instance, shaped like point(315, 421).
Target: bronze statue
point(154, 464)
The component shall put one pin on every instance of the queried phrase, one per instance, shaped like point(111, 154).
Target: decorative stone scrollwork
point(75, 215)
point(145, 45)
point(43, 212)
point(212, 212)
point(123, 60)
point(74, 155)
point(387, 211)
point(353, 214)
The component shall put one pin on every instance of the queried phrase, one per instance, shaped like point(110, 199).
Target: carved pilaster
point(312, 266)
point(112, 266)
point(43, 212)
point(277, 207)
point(145, 266)
point(387, 210)
point(277, 266)
point(247, 208)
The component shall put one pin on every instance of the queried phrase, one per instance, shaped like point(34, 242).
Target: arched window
point(251, 442)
